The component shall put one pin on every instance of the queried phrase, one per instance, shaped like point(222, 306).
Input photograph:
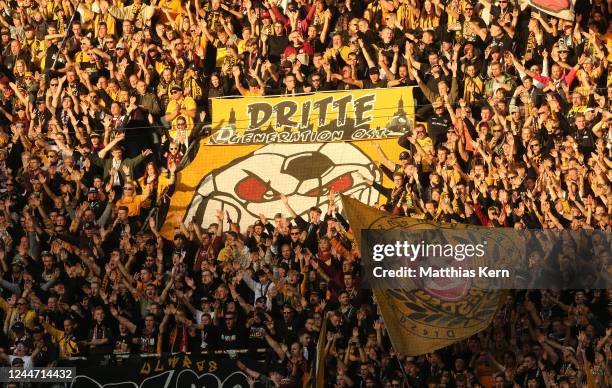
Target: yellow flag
point(423, 320)
point(319, 381)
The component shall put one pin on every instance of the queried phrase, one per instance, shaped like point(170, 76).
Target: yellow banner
point(247, 180)
point(434, 316)
point(313, 118)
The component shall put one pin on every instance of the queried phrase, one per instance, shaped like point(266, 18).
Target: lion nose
point(307, 166)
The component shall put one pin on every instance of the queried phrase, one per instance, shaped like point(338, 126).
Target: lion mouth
point(451, 288)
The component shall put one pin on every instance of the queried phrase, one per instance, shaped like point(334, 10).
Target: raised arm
point(102, 153)
point(123, 320)
point(285, 201)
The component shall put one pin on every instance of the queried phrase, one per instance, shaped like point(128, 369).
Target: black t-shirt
point(344, 86)
point(585, 139)
point(209, 338)
point(147, 342)
point(231, 339)
point(124, 344)
point(100, 331)
point(503, 42)
point(368, 84)
point(276, 47)
point(438, 127)
point(469, 36)
point(257, 337)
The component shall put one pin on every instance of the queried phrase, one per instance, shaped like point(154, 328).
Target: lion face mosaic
point(305, 173)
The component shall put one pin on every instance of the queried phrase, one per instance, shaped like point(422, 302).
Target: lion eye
point(252, 188)
point(342, 183)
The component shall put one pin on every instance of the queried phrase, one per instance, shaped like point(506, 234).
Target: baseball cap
point(373, 70)
point(18, 326)
point(119, 45)
point(514, 109)
point(176, 88)
point(92, 190)
point(205, 299)
point(404, 155)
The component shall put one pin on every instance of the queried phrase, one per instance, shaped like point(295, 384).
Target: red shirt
point(304, 48)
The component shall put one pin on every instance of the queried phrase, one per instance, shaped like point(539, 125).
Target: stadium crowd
point(101, 100)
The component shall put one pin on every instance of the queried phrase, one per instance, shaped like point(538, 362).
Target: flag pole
point(63, 42)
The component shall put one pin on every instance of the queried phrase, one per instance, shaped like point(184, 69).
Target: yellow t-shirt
point(221, 55)
point(344, 53)
point(187, 103)
point(133, 204)
point(109, 20)
point(241, 46)
point(427, 145)
point(84, 61)
point(162, 183)
point(174, 8)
